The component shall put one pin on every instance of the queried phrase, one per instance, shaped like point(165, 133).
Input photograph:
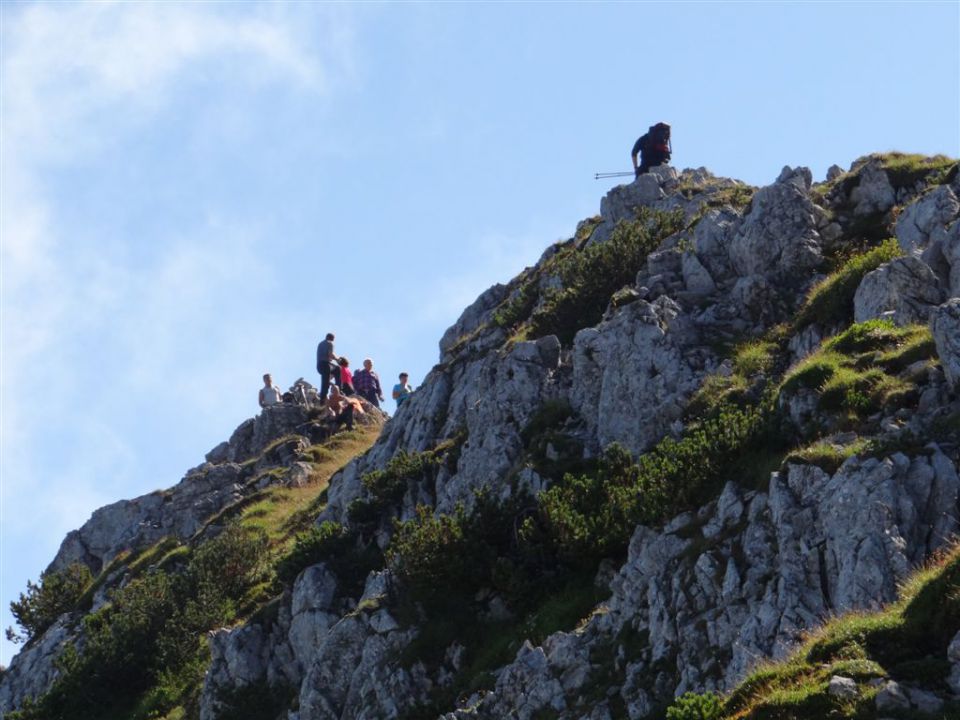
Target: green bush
point(339, 548)
point(149, 633)
point(692, 706)
point(590, 277)
point(56, 593)
point(517, 308)
point(387, 487)
point(320, 543)
point(446, 559)
point(257, 701)
point(593, 516)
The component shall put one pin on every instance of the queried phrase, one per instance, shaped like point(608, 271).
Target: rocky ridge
point(698, 598)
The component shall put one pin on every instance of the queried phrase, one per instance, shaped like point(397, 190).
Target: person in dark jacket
point(653, 147)
point(327, 360)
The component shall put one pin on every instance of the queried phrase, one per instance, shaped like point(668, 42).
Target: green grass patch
point(906, 170)
point(826, 455)
point(906, 641)
point(856, 371)
point(755, 356)
point(830, 301)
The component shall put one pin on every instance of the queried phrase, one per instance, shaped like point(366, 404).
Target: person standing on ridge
point(653, 147)
point(326, 360)
point(402, 390)
point(269, 393)
point(367, 383)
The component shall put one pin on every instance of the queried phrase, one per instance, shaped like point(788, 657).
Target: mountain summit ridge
point(732, 410)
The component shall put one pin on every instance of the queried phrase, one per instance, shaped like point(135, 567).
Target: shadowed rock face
point(698, 600)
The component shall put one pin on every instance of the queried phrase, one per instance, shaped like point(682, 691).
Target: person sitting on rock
point(326, 361)
point(402, 390)
point(269, 394)
point(653, 147)
point(367, 383)
point(346, 377)
point(344, 408)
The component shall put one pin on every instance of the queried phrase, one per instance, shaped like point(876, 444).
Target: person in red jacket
point(346, 377)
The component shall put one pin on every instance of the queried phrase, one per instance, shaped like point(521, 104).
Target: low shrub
point(257, 701)
point(590, 277)
point(693, 706)
point(338, 548)
point(593, 516)
point(518, 308)
point(448, 557)
point(149, 633)
point(386, 487)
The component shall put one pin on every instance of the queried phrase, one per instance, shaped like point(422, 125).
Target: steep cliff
point(714, 418)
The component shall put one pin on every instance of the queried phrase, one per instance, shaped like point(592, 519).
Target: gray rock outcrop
point(945, 327)
point(633, 373)
point(740, 579)
point(779, 235)
point(905, 290)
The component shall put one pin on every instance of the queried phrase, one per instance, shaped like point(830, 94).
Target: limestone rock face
point(32, 670)
point(905, 290)
point(631, 376)
point(923, 224)
point(473, 317)
point(874, 193)
point(945, 326)
point(508, 390)
point(711, 238)
point(779, 235)
point(740, 579)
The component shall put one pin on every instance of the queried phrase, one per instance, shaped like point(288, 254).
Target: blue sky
point(193, 193)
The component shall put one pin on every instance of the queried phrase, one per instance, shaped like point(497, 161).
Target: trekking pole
point(603, 175)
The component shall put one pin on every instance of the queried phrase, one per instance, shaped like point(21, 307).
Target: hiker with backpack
point(653, 147)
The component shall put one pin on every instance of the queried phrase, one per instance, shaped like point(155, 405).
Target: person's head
point(334, 392)
point(267, 379)
point(330, 337)
point(403, 378)
point(368, 364)
point(344, 362)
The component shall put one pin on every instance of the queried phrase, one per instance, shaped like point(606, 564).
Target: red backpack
point(659, 139)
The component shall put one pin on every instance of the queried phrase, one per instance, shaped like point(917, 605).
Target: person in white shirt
point(269, 393)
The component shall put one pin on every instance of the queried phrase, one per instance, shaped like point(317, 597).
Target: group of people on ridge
point(653, 148)
point(343, 386)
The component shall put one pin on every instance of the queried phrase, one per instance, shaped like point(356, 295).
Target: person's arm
point(396, 392)
point(637, 147)
point(260, 399)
